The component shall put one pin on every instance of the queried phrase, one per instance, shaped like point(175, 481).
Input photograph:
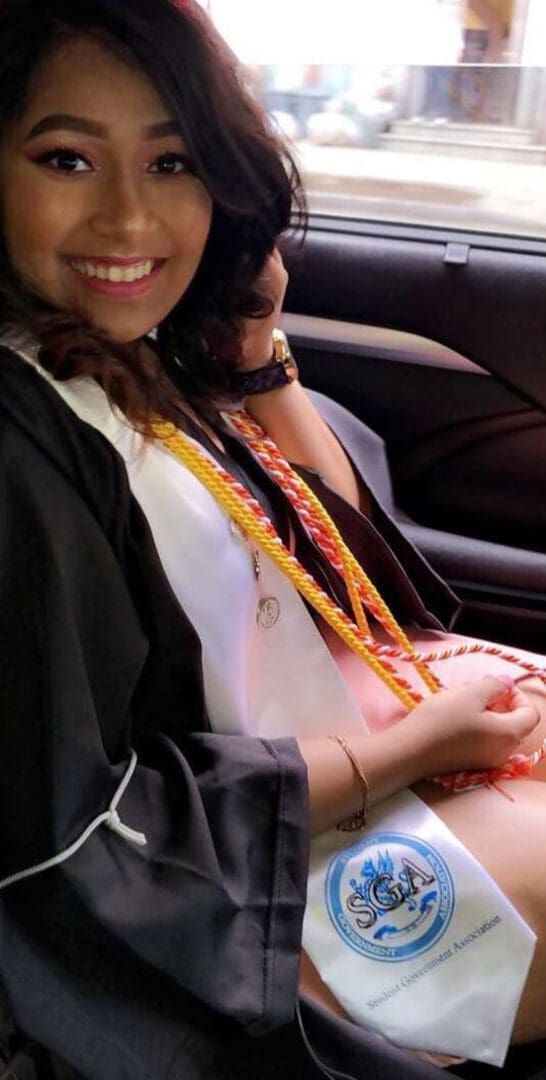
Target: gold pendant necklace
point(268, 608)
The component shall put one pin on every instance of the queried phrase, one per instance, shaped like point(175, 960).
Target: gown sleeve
point(208, 913)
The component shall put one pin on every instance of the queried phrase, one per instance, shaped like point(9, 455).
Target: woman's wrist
point(279, 371)
point(390, 760)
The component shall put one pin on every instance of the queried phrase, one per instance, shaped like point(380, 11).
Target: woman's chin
point(123, 335)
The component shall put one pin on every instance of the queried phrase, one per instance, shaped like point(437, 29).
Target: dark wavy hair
point(250, 175)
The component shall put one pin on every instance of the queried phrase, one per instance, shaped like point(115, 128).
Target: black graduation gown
point(163, 961)
point(107, 957)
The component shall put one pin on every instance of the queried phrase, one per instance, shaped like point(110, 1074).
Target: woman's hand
point(257, 340)
point(287, 414)
point(475, 726)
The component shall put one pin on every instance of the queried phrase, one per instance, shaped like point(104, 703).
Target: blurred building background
point(377, 61)
point(409, 80)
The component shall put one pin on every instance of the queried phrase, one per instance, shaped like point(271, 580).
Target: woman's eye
point(67, 161)
point(70, 161)
point(171, 165)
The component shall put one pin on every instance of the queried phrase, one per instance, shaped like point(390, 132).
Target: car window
point(429, 112)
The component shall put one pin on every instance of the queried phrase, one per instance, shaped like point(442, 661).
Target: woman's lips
point(119, 289)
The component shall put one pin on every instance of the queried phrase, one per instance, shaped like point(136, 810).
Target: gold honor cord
point(354, 576)
point(325, 532)
point(246, 512)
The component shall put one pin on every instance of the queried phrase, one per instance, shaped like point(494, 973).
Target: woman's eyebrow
point(65, 122)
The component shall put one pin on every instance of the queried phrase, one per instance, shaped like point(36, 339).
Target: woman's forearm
point(287, 414)
point(391, 760)
point(291, 420)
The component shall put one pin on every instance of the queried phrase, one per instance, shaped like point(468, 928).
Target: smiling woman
point(113, 198)
point(177, 723)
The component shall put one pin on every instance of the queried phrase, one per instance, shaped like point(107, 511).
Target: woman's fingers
point(521, 721)
point(502, 703)
point(256, 333)
point(272, 282)
point(507, 711)
point(484, 692)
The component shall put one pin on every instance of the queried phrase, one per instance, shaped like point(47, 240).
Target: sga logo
point(389, 896)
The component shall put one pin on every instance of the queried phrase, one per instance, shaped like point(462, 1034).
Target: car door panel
point(466, 453)
point(465, 429)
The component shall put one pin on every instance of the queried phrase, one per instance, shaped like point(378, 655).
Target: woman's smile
point(114, 278)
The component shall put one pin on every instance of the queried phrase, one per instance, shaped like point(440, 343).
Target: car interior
point(434, 339)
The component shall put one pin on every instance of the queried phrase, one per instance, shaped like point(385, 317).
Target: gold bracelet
point(359, 818)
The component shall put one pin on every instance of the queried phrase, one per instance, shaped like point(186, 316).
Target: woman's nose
point(123, 210)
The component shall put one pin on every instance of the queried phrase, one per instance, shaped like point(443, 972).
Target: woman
point(153, 873)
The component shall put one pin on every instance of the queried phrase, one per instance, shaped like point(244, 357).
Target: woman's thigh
point(507, 834)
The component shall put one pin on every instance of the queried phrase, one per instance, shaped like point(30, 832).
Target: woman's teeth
point(114, 273)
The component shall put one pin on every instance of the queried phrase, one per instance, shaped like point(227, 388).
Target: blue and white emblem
point(390, 896)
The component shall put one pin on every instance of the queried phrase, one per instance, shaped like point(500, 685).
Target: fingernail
point(507, 681)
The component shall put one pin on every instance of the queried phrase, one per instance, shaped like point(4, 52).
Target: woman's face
point(101, 215)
